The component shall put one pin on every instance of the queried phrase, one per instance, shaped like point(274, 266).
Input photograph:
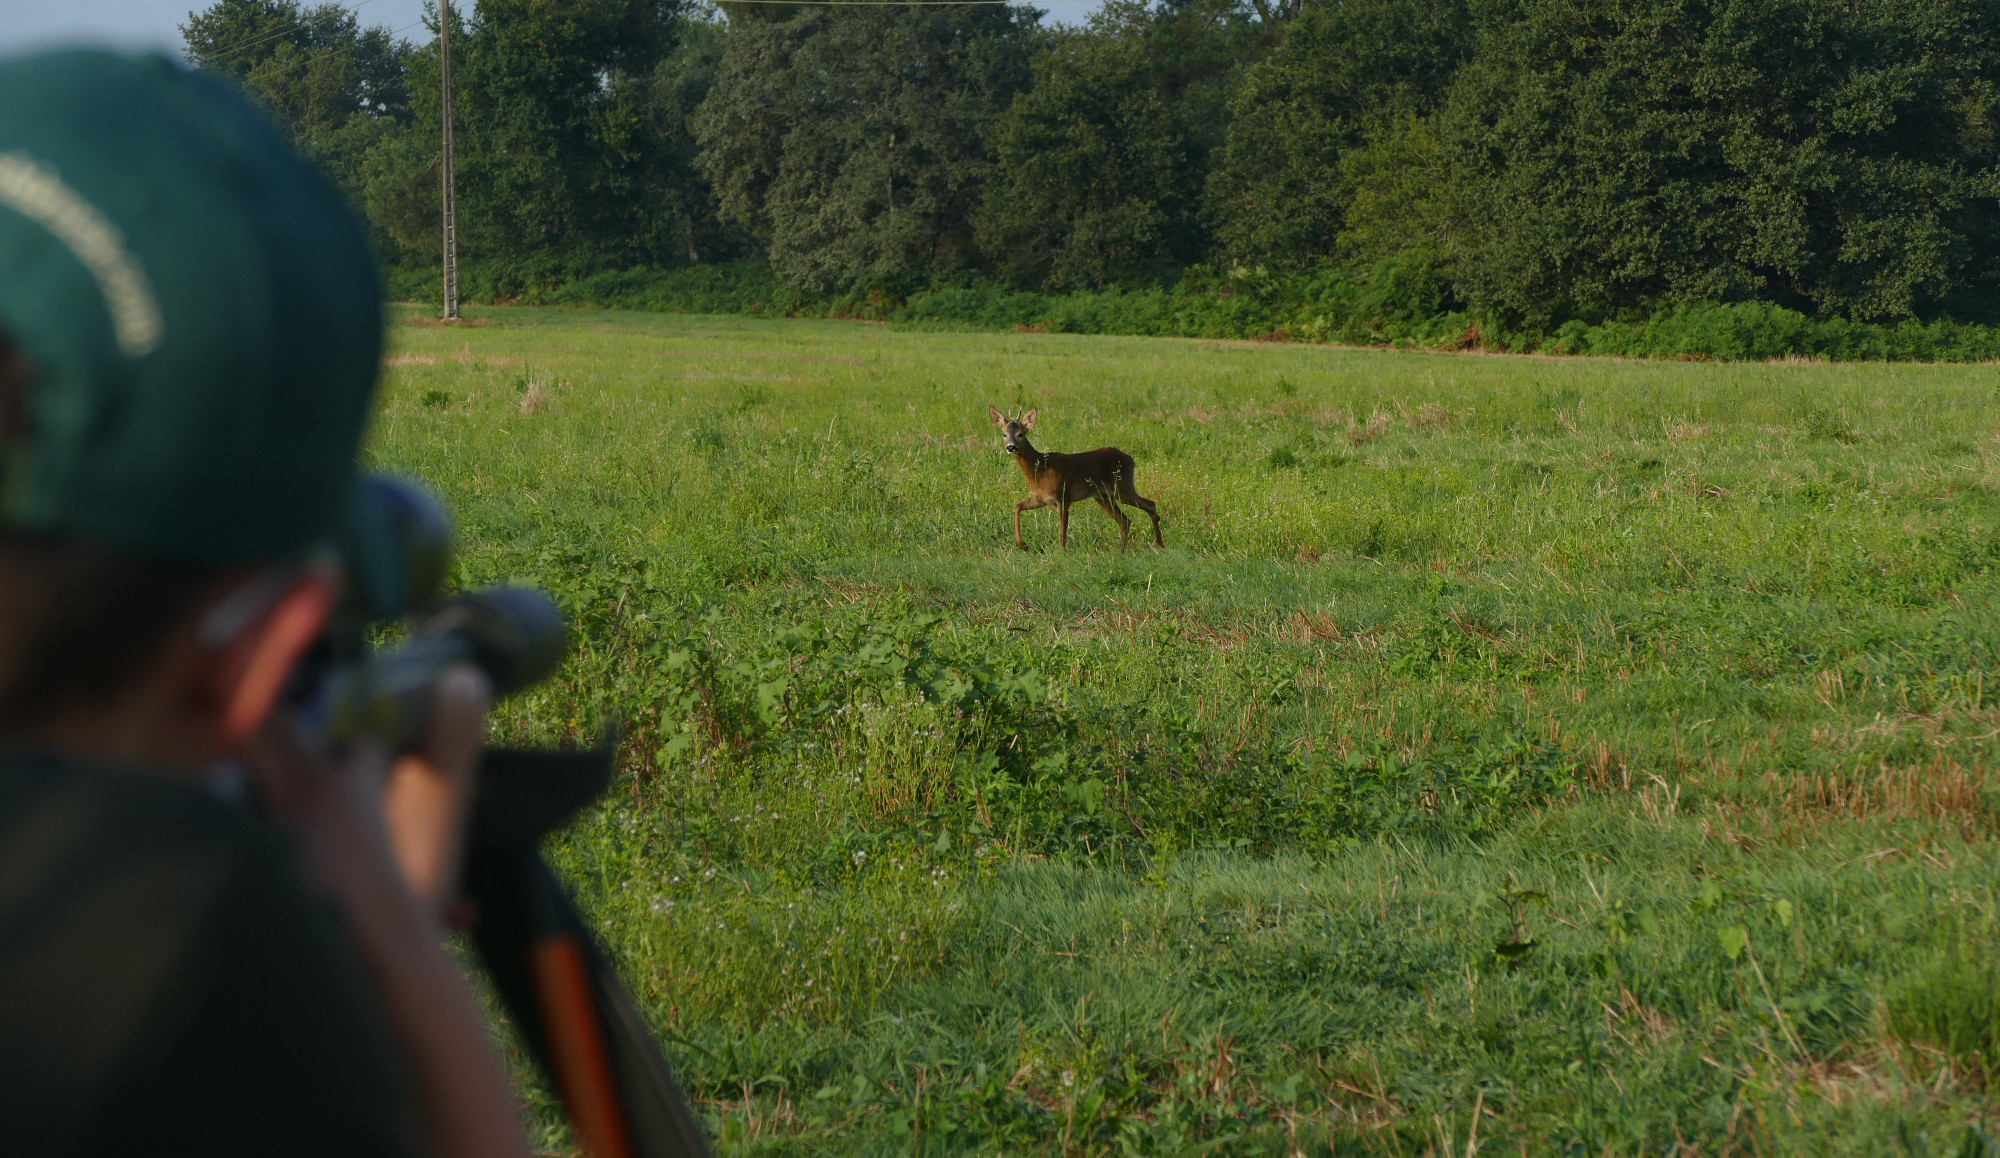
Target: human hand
point(383, 839)
point(378, 834)
point(428, 798)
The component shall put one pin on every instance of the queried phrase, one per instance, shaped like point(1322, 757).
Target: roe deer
point(1104, 474)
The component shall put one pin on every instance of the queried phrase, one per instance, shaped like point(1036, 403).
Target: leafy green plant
point(1515, 900)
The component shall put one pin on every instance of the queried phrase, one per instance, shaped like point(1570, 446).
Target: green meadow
point(1505, 755)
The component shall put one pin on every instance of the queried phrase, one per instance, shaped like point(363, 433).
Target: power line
point(328, 54)
point(227, 51)
point(230, 50)
point(333, 52)
point(902, 3)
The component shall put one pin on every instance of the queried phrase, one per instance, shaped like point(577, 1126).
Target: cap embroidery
point(34, 191)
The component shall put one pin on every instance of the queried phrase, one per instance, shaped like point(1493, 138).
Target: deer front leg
point(1062, 522)
point(1024, 505)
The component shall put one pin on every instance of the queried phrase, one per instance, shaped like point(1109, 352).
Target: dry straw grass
point(1944, 791)
point(1432, 416)
point(431, 320)
point(1311, 627)
point(1363, 433)
point(1634, 1022)
point(537, 394)
point(1894, 1074)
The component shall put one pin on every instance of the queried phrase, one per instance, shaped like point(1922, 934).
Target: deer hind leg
point(1130, 496)
point(1024, 505)
point(1118, 516)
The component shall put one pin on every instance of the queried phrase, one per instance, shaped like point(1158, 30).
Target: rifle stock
point(561, 990)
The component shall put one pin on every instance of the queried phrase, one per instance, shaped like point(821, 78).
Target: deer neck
point(1032, 461)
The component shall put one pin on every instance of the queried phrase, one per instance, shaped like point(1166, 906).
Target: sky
point(155, 24)
point(151, 24)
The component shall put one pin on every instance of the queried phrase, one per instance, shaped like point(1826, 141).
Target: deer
point(1104, 474)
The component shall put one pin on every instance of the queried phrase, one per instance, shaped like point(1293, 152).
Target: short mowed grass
point(1505, 755)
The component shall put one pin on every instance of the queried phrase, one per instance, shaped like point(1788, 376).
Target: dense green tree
point(560, 169)
point(401, 172)
point(402, 194)
point(1101, 160)
point(1198, 50)
point(315, 67)
point(853, 142)
point(680, 84)
point(338, 88)
point(1094, 183)
point(1346, 69)
point(1836, 155)
point(567, 159)
point(1540, 160)
point(342, 91)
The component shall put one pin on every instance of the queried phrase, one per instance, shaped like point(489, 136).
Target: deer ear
point(1028, 420)
point(999, 419)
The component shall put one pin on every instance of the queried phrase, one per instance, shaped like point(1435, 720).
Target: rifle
point(554, 979)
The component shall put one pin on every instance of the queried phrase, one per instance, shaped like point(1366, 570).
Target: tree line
point(1533, 161)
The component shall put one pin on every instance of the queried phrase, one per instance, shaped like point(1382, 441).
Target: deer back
point(1087, 472)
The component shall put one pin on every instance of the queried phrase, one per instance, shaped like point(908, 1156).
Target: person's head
point(189, 334)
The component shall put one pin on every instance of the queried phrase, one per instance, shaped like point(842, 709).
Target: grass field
point(1504, 756)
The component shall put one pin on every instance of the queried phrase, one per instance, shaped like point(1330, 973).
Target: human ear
point(255, 658)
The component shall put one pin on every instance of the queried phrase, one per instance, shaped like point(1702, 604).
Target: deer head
point(1013, 431)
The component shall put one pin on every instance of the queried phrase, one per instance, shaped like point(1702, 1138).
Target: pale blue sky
point(156, 23)
point(150, 23)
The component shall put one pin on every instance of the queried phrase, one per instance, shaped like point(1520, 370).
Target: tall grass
point(1593, 755)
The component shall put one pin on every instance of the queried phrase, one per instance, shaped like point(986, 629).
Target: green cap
point(199, 312)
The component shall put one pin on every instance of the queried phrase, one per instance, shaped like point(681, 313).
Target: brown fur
point(1057, 480)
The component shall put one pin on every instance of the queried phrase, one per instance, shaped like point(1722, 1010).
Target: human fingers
point(330, 805)
point(458, 727)
point(295, 777)
point(277, 762)
point(429, 792)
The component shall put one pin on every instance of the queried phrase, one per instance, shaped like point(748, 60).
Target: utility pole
point(450, 200)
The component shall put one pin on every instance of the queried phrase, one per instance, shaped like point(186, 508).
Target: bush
point(1760, 330)
point(1404, 301)
point(741, 287)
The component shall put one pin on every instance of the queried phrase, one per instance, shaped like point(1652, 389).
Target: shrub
point(1404, 300)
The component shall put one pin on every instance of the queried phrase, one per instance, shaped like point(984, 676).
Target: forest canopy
point(1537, 162)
